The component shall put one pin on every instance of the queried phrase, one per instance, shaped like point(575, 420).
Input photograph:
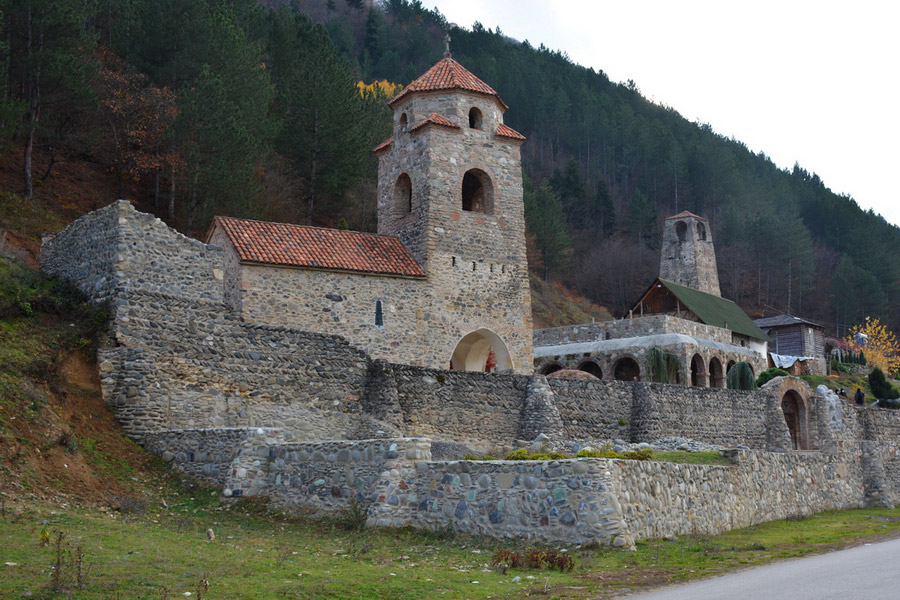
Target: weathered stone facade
point(474, 256)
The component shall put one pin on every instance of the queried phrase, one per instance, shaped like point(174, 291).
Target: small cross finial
point(447, 45)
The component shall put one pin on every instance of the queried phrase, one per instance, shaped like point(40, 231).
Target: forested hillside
point(252, 108)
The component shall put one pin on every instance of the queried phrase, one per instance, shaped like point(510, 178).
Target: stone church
point(444, 284)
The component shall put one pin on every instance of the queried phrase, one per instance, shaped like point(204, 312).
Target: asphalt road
point(869, 572)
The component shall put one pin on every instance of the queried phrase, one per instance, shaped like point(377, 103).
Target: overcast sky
point(808, 82)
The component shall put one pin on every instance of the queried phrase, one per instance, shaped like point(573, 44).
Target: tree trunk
point(171, 211)
point(312, 175)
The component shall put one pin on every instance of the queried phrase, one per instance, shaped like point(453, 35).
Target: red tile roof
point(508, 132)
point(434, 119)
point(317, 247)
point(384, 145)
point(686, 214)
point(447, 74)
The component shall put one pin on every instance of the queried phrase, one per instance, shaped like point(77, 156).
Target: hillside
point(248, 108)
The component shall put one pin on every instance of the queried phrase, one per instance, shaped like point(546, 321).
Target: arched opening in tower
point(475, 118)
point(477, 192)
point(471, 352)
point(701, 232)
point(681, 230)
point(627, 369)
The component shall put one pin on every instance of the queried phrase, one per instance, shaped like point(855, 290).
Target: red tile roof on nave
point(317, 247)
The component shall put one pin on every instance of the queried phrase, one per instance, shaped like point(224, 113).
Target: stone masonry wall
point(86, 253)
point(206, 454)
point(480, 409)
point(661, 499)
point(724, 417)
point(344, 303)
point(625, 328)
point(612, 502)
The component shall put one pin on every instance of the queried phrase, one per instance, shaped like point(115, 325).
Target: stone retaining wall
point(662, 499)
point(612, 502)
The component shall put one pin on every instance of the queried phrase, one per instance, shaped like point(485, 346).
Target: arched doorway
point(551, 368)
point(730, 364)
point(627, 369)
point(591, 367)
point(795, 415)
point(716, 374)
point(698, 371)
point(471, 353)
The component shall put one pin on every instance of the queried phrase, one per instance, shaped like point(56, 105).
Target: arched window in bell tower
point(475, 118)
point(701, 231)
point(477, 192)
point(681, 230)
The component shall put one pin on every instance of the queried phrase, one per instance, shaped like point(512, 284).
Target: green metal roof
point(716, 311)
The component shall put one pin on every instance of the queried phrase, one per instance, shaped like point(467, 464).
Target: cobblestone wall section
point(206, 454)
point(884, 448)
point(480, 409)
point(594, 410)
point(86, 254)
point(724, 417)
point(623, 328)
point(661, 499)
point(185, 365)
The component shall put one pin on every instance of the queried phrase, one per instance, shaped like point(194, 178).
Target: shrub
point(740, 377)
point(353, 516)
point(768, 375)
point(524, 454)
point(475, 457)
point(664, 366)
point(588, 454)
point(880, 387)
point(532, 559)
point(639, 454)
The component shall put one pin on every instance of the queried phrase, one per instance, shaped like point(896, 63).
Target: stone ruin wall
point(189, 380)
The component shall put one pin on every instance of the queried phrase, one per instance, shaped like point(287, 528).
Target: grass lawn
point(156, 551)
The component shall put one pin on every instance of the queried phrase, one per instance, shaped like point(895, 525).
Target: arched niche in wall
point(698, 371)
point(796, 416)
point(627, 369)
point(402, 122)
point(477, 192)
point(716, 373)
point(471, 352)
point(551, 368)
point(590, 366)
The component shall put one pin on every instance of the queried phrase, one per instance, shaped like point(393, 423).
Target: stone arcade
point(225, 362)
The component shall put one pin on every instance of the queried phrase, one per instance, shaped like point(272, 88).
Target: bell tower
point(450, 187)
point(688, 257)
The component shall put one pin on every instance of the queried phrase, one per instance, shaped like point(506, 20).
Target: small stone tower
point(450, 187)
point(688, 257)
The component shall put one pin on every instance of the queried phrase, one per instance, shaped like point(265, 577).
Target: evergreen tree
point(321, 109)
point(48, 47)
point(544, 217)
